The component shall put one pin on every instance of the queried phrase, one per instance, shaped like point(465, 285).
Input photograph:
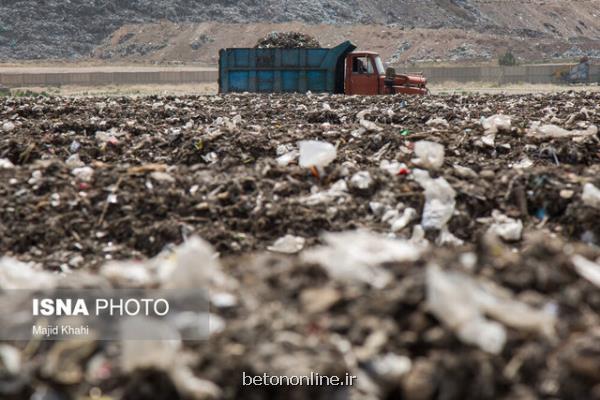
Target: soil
point(397, 44)
point(41, 30)
point(165, 168)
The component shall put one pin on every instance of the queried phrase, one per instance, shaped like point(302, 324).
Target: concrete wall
point(98, 78)
point(498, 74)
point(131, 76)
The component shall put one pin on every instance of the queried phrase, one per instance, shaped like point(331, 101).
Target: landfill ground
point(84, 181)
point(445, 88)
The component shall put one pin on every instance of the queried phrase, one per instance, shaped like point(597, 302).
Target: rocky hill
point(32, 29)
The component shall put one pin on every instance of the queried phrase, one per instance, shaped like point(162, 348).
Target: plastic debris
point(314, 153)
point(591, 195)
point(588, 269)
point(288, 244)
point(370, 126)
point(361, 180)
point(83, 174)
point(194, 265)
point(430, 155)
point(338, 190)
point(507, 228)
point(10, 359)
point(523, 164)
point(540, 131)
point(438, 122)
point(5, 163)
point(391, 367)
point(392, 167)
point(285, 159)
point(230, 189)
point(15, 274)
point(496, 123)
point(356, 256)
point(75, 146)
point(462, 303)
point(8, 126)
point(448, 238)
point(142, 354)
point(409, 215)
point(129, 274)
point(450, 299)
point(439, 200)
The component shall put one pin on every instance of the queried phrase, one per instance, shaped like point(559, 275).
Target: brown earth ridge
point(536, 28)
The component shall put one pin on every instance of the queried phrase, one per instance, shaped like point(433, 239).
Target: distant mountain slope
point(72, 28)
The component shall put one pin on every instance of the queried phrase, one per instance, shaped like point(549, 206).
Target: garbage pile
point(442, 246)
point(288, 40)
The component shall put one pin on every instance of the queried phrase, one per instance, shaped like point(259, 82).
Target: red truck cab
point(366, 75)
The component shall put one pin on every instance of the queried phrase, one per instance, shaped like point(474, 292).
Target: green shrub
point(507, 59)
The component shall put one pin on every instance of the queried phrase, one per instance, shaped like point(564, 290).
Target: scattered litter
point(285, 159)
point(317, 154)
point(362, 301)
point(462, 304)
point(553, 131)
point(288, 244)
point(591, 195)
point(338, 190)
point(356, 256)
point(409, 215)
point(438, 122)
point(8, 126)
point(439, 200)
point(83, 174)
point(361, 180)
point(5, 163)
point(391, 367)
point(588, 269)
point(370, 126)
point(15, 274)
point(392, 167)
point(496, 123)
point(430, 155)
point(507, 228)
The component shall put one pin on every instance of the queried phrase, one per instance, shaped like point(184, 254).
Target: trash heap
point(288, 40)
point(440, 246)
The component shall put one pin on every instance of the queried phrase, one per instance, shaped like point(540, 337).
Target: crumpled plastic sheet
point(462, 303)
point(439, 200)
point(356, 256)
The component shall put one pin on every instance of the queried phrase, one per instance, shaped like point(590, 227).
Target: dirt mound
point(289, 40)
point(36, 30)
point(201, 42)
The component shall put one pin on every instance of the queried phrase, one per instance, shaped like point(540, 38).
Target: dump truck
point(340, 70)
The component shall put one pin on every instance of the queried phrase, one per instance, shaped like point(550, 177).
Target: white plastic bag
point(430, 155)
point(439, 200)
point(591, 195)
point(314, 153)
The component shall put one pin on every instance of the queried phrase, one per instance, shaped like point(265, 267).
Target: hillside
point(200, 42)
point(38, 29)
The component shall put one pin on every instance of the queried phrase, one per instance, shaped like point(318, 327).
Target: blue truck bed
point(283, 70)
